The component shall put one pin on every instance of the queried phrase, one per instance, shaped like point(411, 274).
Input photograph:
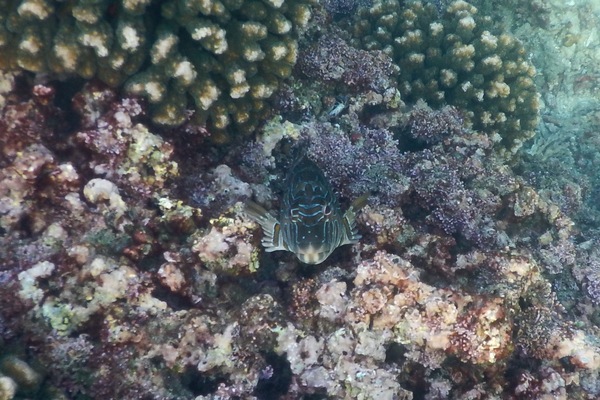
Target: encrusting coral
point(227, 56)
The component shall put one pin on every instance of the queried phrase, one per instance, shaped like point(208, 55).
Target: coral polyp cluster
point(460, 59)
point(228, 57)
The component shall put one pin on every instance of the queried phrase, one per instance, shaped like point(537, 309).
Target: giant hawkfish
point(311, 224)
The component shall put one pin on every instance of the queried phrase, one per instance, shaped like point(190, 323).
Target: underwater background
point(134, 134)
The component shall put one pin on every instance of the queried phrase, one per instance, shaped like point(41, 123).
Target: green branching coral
point(456, 59)
point(224, 57)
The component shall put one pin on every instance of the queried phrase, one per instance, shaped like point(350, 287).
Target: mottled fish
point(311, 224)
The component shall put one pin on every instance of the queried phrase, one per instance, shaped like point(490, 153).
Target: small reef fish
point(311, 224)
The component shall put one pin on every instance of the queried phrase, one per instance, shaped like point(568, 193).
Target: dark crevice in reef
point(276, 380)
point(201, 384)
point(175, 301)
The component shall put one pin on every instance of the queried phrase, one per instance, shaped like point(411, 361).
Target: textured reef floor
point(128, 269)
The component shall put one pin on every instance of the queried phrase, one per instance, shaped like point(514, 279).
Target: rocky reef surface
point(128, 269)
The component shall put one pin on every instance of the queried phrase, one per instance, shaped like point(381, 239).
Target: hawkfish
point(311, 224)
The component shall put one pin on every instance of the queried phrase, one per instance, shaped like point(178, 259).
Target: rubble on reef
point(128, 269)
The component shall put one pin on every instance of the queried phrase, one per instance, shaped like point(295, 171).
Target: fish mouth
point(312, 255)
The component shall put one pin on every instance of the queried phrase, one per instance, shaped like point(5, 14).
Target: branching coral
point(457, 59)
point(227, 56)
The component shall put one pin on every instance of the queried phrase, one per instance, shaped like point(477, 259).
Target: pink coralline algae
point(333, 61)
point(432, 126)
point(443, 179)
point(373, 165)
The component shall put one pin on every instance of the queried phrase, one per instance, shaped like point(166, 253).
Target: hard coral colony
point(128, 268)
point(227, 57)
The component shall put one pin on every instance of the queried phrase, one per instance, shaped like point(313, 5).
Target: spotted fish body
point(311, 224)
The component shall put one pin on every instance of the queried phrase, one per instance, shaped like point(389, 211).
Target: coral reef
point(226, 56)
point(445, 183)
point(569, 58)
point(110, 277)
point(457, 59)
point(128, 270)
point(226, 250)
point(64, 225)
point(342, 7)
point(562, 159)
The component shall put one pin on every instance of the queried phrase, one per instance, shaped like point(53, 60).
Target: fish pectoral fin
point(352, 237)
point(272, 240)
point(256, 212)
point(349, 219)
point(351, 233)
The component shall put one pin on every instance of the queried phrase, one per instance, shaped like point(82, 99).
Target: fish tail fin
point(272, 239)
point(349, 219)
